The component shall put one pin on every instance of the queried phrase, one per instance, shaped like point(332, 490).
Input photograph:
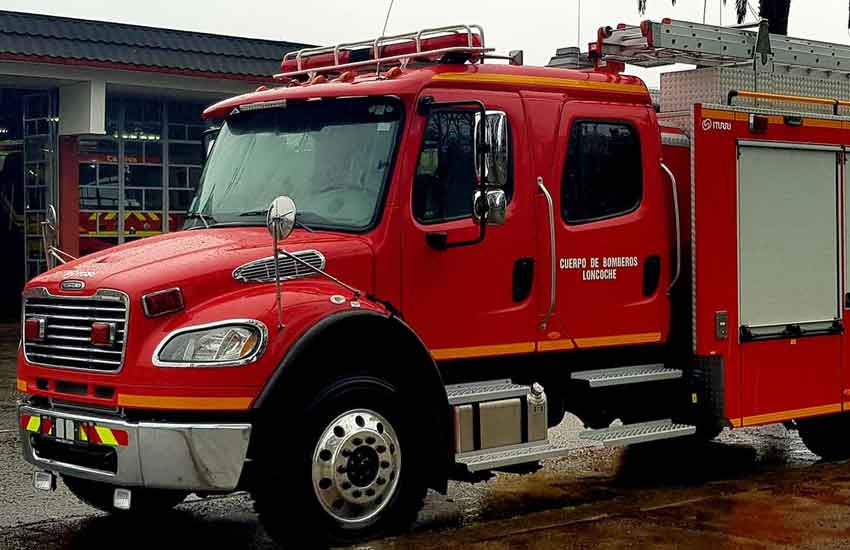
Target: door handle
point(552, 253)
point(523, 278)
point(676, 219)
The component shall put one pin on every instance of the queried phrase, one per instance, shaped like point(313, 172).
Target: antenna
point(383, 34)
point(578, 25)
point(387, 19)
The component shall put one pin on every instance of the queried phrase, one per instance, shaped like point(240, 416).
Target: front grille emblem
point(73, 284)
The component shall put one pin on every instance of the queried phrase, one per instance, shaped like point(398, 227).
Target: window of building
point(139, 179)
point(603, 176)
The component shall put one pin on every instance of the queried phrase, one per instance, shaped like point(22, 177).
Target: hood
point(204, 259)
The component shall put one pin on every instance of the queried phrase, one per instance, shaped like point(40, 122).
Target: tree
point(775, 11)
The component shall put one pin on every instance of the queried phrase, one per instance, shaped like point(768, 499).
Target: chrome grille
point(262, 270)
point(67, 337)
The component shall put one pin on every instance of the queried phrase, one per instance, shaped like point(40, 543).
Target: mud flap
point(705, 406)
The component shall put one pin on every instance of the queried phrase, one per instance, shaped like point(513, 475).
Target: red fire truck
point(462, 250)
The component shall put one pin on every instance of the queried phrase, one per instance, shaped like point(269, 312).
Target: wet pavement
point(751, 489)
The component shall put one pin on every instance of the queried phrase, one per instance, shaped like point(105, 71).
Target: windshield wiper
point(263, 212)
point(198, 215)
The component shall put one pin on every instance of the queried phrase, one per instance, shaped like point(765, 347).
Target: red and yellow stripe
point(86, 432)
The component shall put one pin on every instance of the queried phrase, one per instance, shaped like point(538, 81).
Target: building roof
point(98, 43)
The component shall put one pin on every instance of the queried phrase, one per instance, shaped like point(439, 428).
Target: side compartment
point(767, 253)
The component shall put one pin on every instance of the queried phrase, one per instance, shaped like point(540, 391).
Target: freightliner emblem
point(73, 284)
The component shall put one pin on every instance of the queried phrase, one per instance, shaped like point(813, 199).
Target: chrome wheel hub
point(356, 467)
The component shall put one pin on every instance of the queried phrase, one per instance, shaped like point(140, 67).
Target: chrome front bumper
point(188, 456)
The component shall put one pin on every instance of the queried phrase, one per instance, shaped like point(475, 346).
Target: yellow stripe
point(21, 385)
point(790, 415)
point(543, 81)
point(482, 351)
point(736, 422)
point(186, 403)
point(555, 345)
point(153, 216)
point(600, 341)
point(34, 424)
point(821, 123)
point(105, 435)
point(83, 436)
point(718, 115)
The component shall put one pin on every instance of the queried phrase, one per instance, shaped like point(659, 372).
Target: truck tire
point(343, 470)
point(826, 436)
point(143, 501)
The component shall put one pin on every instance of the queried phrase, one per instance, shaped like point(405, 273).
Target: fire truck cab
point(407, 261)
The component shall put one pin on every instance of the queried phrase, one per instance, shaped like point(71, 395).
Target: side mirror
point(280, 218)
point(497, 148)
point(51, 218)
point(494, 205)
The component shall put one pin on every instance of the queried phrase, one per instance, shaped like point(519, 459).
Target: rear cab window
point(603, 173)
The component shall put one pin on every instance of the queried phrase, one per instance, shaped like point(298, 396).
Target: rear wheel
point(826, 436)
point(143, 501)
point(354, 471)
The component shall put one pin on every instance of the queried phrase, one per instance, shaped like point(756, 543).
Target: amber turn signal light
point(162, 302)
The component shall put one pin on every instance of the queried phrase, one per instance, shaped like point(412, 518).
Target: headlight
point(228, 343)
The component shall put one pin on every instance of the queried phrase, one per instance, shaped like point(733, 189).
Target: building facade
point(103, 121)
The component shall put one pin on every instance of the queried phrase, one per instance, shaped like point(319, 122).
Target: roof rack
point(430, 43)
point(655, 44)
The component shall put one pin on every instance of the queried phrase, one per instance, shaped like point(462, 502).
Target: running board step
point(627, 375)
point(619, 436)
point(475, 392)
point(499, 458)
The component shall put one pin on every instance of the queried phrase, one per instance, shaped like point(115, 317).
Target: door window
point(445, 174)
point(603, 176)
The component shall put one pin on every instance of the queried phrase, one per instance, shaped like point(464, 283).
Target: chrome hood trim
point(262, 270)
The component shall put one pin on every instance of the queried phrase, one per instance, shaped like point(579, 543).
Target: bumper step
point(619, 436)
point(490, 390)
point(500, 458)
point(627, 375)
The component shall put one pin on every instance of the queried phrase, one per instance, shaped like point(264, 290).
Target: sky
point(537, 27)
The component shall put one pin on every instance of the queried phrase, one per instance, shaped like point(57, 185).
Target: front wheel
point(826, 436)
point(143, 501)
point(354, 470)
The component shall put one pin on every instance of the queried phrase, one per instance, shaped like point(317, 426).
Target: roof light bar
point(427, 43)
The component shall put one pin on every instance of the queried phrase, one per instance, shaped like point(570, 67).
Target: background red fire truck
point(468, 250)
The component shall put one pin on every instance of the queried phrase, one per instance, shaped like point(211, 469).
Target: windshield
point(331, 156)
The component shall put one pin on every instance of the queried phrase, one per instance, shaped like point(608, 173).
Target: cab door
point(471, 301)
point(613, 226)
